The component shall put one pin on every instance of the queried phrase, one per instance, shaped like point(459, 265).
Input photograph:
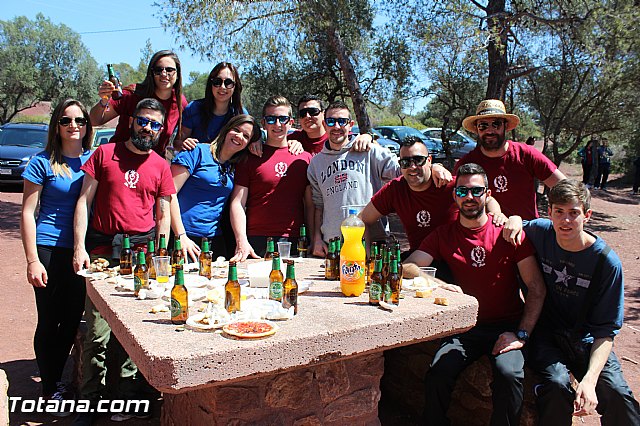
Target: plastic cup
point(163, 268)
point(429, 271)
point(284, 248)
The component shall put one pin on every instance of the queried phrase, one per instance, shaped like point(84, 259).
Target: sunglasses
point(65, 121)
point(223, 171)
point(311, 112)
point(142, 122)
point(271, 119)
point(160, 70)
point(418, 160)
point(496, 124)
point(341, 121)
point(228, 83)
point(476, 191)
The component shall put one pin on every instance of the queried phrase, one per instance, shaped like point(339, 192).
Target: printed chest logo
point(500, 183)
point(478, 256)
point(564, 277)
point(423, 218)
point(131, 178)
point(281, 169)
point(342, 177)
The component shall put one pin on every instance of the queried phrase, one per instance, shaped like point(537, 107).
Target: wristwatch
point(522, 335)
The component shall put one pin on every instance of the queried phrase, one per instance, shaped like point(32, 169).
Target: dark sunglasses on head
point(476, 191)
point(142, 122)
point(312, 112)
point(159, 70)
point(341, 121)
point(496, 124)
point(228, 83)
point(418, 160)
point(65, 121)
point(271, 119)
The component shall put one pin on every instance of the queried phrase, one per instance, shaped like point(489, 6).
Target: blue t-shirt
point(568, 275)
point(54, 224)
point(192, 119)
point(204, 194)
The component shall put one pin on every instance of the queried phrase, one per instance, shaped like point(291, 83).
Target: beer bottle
point(162, 249)
point(290, 289)
point(151, 252)
point(336, 265)
point(275, 279)
point(232, 290)
point(371, 264)
point(140, 274)
point(328, 261)
point(375, 287)
point(179, 298)
point(271, 248)
point(398, 257)
point(303, 242)
point(117, 93)
point(126, 257)
point(394, 282)
point(385, 262)
point(176, 256)
point(205, 259)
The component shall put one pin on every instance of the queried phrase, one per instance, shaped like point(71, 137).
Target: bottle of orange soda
point(352, 256)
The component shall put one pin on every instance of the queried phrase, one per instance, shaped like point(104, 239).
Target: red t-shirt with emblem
point(512, 176)
point(276, 183)
point(312, 145)
point(419, 211)
point(484, 265)
point(128, 185)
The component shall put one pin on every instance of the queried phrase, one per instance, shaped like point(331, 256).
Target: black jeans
point(555, 395)
point(603, 175)
point(458, 352)
point(60, 305)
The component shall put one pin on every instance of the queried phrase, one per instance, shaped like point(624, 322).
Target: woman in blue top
point(204, 180)
point(53, 180)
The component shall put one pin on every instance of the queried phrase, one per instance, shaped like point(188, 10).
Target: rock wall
point(335, 393)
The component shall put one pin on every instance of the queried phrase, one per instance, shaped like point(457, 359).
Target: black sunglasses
point(160, 70)
point(476, 191)
point(496, 124)
point(312, 112)
point(418, 160)
point(65, 121)
point(271, 119)
point(223, 171)
point(142, 122)
point(228, 83)
point(341, 121)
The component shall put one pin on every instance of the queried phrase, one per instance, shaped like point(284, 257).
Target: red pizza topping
point(250, 327)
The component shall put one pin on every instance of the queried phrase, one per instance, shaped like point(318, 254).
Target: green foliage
point(43, 62)
point(196, 86)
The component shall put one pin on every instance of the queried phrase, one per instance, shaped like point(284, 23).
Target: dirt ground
point(616, 218)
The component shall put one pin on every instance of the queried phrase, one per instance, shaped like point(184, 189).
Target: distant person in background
point(530, 141)
point(588, 157)
point(52, 182)
point(604, 165)
point(636, 178)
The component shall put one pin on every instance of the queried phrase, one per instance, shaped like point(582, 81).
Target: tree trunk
point(497, 50)
point(359, 105)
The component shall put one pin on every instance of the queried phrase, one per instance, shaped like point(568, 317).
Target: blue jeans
point(555, 395)
point(458, 352)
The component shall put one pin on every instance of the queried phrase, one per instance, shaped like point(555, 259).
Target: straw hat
point(490, 108)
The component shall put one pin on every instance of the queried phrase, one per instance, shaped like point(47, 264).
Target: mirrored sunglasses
point(271, 119)
point(311, 112)
point(341, 121)
point(418, 160)
point(65, 121)
point(476, 191)
point(228, 83)
point(142, 122)
point(160, 70)
point(496, 124)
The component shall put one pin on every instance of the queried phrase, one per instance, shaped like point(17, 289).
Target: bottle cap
point(352, 211)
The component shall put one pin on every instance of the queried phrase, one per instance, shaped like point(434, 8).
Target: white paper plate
point(192, 322)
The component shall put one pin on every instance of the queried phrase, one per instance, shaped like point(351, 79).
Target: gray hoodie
point(341, 178)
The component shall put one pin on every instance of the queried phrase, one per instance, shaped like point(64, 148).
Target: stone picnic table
point(322, 367)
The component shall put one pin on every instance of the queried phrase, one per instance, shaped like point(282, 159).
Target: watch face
point(522, 335)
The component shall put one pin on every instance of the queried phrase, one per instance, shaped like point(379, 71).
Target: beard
point(144, 141)
point(493, 145)
point(472, 211)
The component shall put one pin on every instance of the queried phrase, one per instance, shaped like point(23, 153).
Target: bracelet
point(32, 261)
point(181, 234)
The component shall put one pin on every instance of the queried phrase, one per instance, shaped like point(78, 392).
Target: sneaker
point(124, 416)
point(60, 395)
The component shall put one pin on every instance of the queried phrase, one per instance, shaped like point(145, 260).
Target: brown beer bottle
point(290, 289)
point(330, 261)
point(303, 242)
point(398, 257)
point(271, 248)
point(176, 257)
point(151, 252)
point(162, 246)
point(371, 264)
point(126, 257)
point(393, 281)
point(275, 279)
point(205, 259)
point(376, 283)
point(232, 290)
point(336, 264)
point(179, 298)
point(140, 274)
point(117, 93)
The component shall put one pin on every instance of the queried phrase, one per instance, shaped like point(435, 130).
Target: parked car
point(399, 133)
point(102, 136)
point(19, 142)
point(461, 144)
point(392, 146)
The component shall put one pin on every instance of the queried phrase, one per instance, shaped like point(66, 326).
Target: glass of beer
point(163, 268)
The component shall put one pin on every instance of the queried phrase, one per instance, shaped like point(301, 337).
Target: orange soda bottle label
point(351, 271)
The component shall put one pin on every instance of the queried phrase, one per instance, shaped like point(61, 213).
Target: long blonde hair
point(54, 142)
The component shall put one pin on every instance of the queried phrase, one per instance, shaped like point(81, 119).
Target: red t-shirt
point(128, 185)
point(484, 264)
point(276, 183)
point(419, 211)
point(127, 104)
point(511, 176)
point(312, 145)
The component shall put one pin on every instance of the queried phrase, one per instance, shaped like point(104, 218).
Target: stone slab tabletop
point(328, 326)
